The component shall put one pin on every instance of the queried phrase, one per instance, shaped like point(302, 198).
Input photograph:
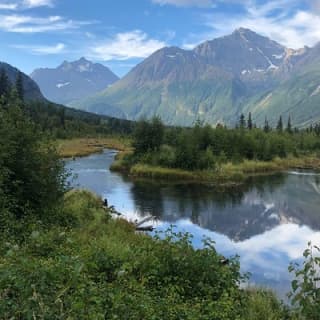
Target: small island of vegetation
point(218, 155)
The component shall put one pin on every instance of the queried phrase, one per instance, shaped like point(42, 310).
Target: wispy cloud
point(282, 20)
point(37, 3)
point(43, 49)
point(8, 6)
point(25, 4)
point(29, 24)
point(127, 45)
point(185, 3)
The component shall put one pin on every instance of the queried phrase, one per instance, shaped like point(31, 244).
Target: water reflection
point(268, 221)
point(239, 212)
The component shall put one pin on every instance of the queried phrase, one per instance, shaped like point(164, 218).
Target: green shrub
point(305, 294)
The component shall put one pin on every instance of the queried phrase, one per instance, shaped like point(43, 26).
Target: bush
point(32, 179)
point(305, 294)
point(263, 304)
point(167, 156)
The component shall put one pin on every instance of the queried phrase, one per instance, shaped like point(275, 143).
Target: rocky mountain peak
point(73, 80)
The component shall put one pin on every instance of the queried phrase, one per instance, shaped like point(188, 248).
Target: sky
point(121, 33)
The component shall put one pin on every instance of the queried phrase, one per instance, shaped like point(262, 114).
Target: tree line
point(203, 146)
point(59, 121)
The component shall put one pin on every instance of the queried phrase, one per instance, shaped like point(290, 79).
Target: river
point(267, 222)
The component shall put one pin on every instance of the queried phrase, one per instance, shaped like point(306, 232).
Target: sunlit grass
point(223, 173)
point(85, 146)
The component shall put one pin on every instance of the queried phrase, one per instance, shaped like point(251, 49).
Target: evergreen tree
point(32, 179)
point(4, 83)
point(266, 127)
point(148, 135)
point(19, 86)
point(250, 125)
point(289, 126)
point(280, 125)
point(62, 114)
point(242, 121)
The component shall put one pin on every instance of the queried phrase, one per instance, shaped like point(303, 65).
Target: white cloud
point(281, 20)
point(29, 24)
point(25, 4)
point(37, 3)
point(43, 50)
point(8, 6)
point(185, 3)
point(127, 45)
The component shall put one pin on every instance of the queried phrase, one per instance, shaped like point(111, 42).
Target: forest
point(218, 154)
point(64, 256)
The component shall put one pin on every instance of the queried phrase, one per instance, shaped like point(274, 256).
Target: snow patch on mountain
point(278, 56)
point(84, 67)
point(61, 85)
point(316, 92)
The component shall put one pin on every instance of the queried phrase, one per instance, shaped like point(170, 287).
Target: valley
point(160, 159)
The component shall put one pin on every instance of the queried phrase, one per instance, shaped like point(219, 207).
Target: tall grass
point(224, 173)
point(85, 146)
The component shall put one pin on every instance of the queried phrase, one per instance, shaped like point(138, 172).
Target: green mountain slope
point(298, 98)
point(216, 82)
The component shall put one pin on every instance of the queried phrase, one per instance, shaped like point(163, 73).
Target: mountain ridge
point(216, 82)
point(72, 81)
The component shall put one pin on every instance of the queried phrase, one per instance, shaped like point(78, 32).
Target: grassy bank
point(85, 146)
point(228, 173)
point(98, 267)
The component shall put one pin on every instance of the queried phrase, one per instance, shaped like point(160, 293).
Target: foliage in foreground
point(305, 295)
point(32, 178)
point(101, 269)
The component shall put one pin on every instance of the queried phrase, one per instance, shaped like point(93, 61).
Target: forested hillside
point(57, 120)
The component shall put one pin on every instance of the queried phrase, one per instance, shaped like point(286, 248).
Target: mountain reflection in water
point(268, 221)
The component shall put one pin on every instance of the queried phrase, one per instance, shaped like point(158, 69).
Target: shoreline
point(227, 175)
point(82, 147)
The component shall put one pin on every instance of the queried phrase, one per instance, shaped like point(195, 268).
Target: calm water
point(268, 222)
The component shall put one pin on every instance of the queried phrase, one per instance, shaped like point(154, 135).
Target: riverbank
point(224, 174)
point(81, 147)
point(99, 266)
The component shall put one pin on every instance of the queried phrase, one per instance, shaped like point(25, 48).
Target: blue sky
point(119, 34)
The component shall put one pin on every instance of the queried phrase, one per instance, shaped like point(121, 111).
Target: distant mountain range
point(72, 81)
point(31, 89)
point(216, 82)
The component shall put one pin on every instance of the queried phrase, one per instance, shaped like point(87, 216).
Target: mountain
point(73, 80)
point(31, 89)
point(217, 81)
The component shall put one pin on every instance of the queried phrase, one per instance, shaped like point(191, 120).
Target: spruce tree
point(4, 83)
point(19, 86)
point(266, 127)
point(280, 125)
point(62, 114)
point(289, 126)
point(242, 121)
point(250, 125)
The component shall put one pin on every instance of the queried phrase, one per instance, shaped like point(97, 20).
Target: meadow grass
point(228, 173)
point(81, 147)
